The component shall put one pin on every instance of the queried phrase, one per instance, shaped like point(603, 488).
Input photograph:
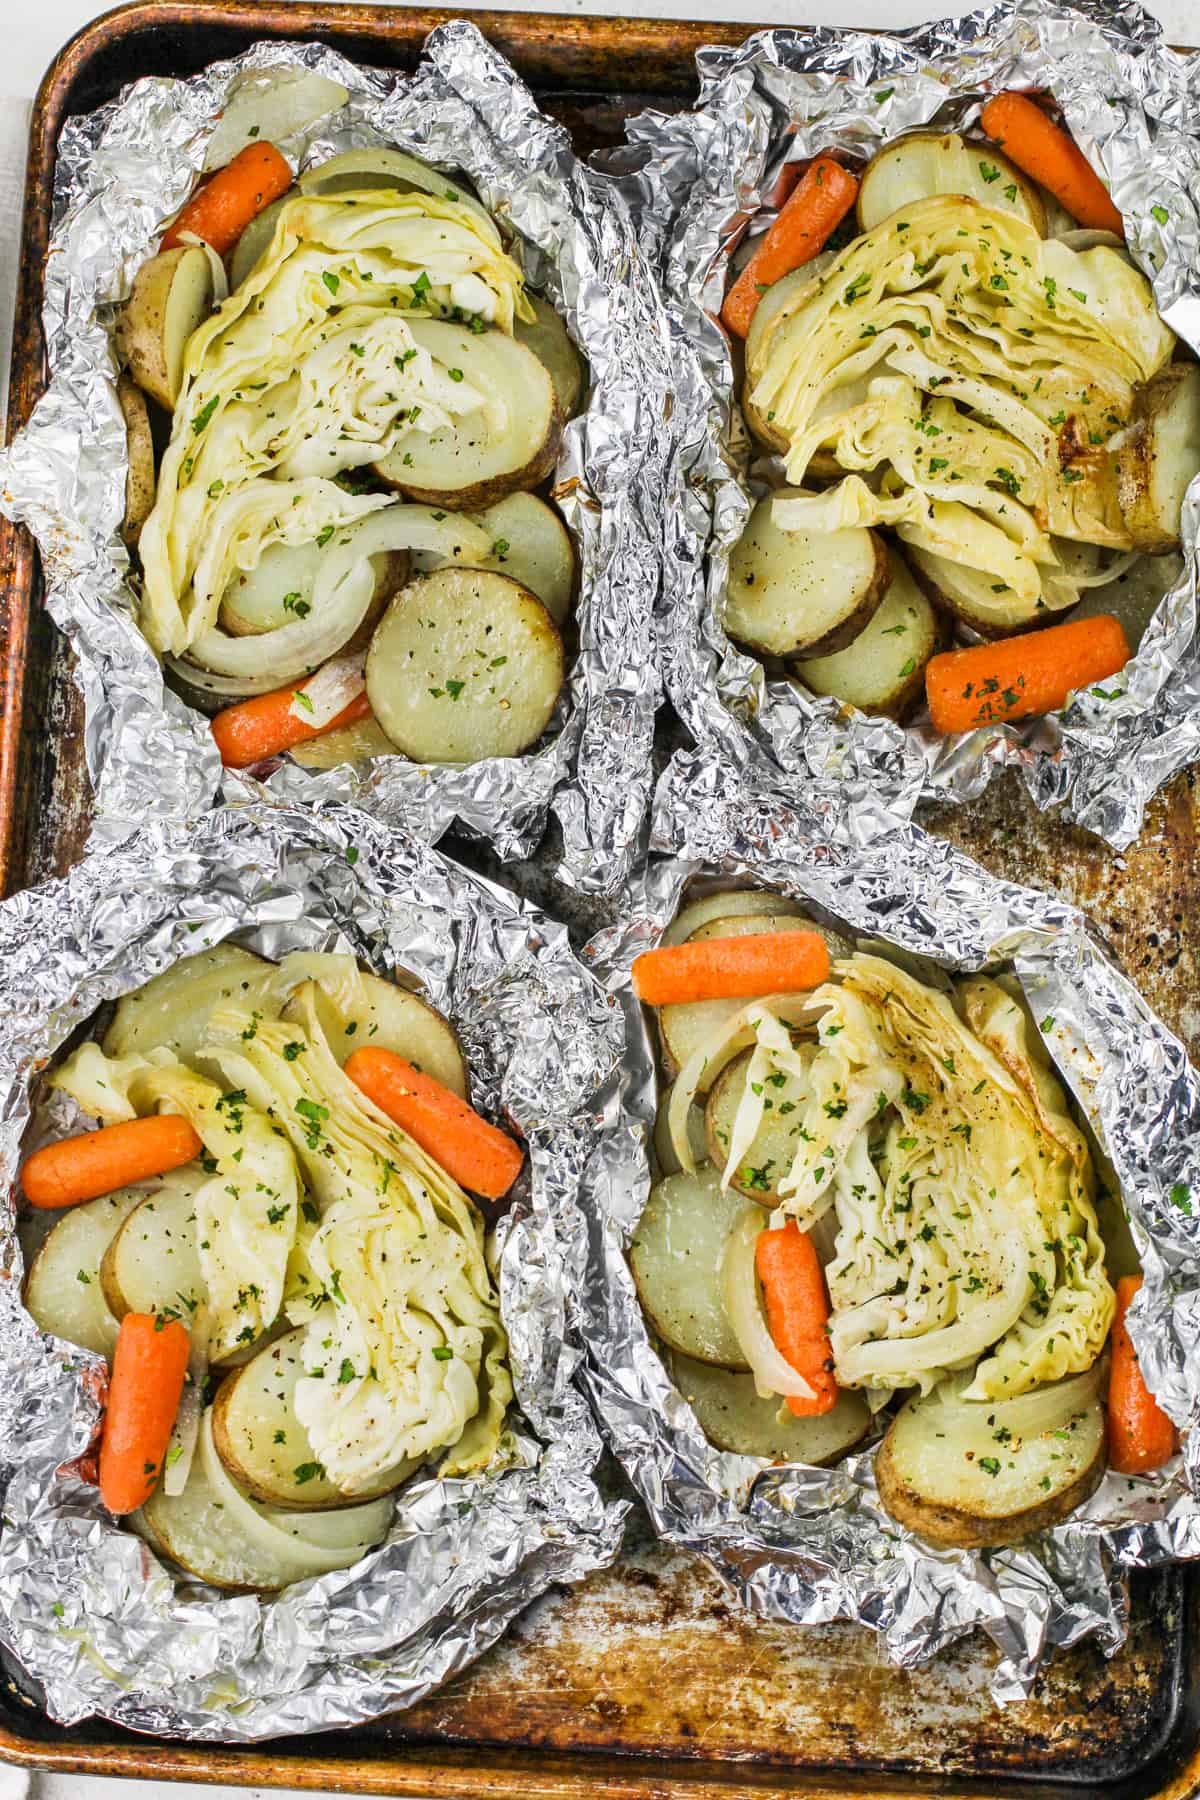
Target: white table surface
point(37, 33)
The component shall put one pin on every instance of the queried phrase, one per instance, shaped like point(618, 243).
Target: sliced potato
point(731, 1414)
point(923, 164)
point(140, 476)
point(152, 1263)
point(349, 744)
point(400, 1021)
point(264, 1446)
point(530, 545)
point(664, 1150)
point(1160, 457)
point(967, 1487)
point(684, 1027)
point(172, 294)
point(774, 309)
point(550, 342)
point(676, 1256)
point(988, 606)
point(726, 903)
point(255, 239)
point(777, 1139)
point(466, 664)
point(510, 442)
point(883, 670)
point(173, 1009)
point(279, 590)
point(802, 593)
point(214, 1541)
point(63, 1290)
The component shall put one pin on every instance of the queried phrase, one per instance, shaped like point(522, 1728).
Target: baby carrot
point(262, 727)
point(478, 1156)
point(1040, 147)
point(817, 205)
point(220, 211)
point(797, 1306)
point(1019, 677)
point(100, 1162)
point(1140, 1435)
point(777, 962)
point(149, 1365)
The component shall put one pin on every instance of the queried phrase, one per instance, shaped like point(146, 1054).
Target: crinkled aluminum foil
point(126, 167)
point(810, 1545)
point(788, 94)
point(85, 1607)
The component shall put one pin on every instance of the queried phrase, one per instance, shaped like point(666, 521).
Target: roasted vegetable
point(63, 1289)
point(676, 1256)
point(733, 1417)
point(923, 164)
point(466, 664)
point(547, 336)
point(757, 1171)
point(172, 295)
point(172, 1010)
point(883, 670)
point(801, 593)
point(139, 474)
point(1160, 457)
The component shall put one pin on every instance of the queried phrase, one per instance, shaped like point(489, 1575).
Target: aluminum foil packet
point(125, 168)
point(785, 95)
point(811, 1545)
point(85, 1607)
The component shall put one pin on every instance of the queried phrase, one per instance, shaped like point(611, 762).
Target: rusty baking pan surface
point(646, 1681)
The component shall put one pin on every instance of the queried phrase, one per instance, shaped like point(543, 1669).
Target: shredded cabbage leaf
point(977, 373)
point(404, 1346)
point(308, 371)
point(937, 1135)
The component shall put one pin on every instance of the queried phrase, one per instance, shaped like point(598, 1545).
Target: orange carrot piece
point(1019, 677)
point(255, 729)
point(777, 962)
point(149, 1365)
point(220, 211)
point(1140, 1435)
point(793, 1285)
point(1043, 149)
point(100, 1162)
point(474, 1153)
point(817, 205)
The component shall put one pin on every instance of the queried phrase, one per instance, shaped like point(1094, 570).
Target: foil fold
point(697, 179)
point(810, 1545)
point(94, 1619)
point(124, 168)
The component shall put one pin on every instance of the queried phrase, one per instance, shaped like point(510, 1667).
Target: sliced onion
point(342, 593)
point(1031, 1415)
point(216, 268)
point(331, 690)
point(270, 104)
point(181, 1449)
point(772, 1373)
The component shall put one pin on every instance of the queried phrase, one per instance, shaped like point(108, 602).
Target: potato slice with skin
point(63, 1290)
point(205, 1535)
point(963, 1486)
point(172, 294)
point(400, 1021)
point(883, 670)
point(675, 1255)
point(466, 664)
point(732, 1416)
point(478, 459)
point(152, 1263)
point(263, 1445)
point(140, 477)
point(925, 163)
point(773, 1150)
point(802, 593)
point(682, 1028)
point(727, 903)
point(548, 338)
point(973, 595)
point(172, 1010)
point(531, 545)
point(1160, 457)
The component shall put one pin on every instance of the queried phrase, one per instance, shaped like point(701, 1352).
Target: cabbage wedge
point(405, 1352)
point(969, 376)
